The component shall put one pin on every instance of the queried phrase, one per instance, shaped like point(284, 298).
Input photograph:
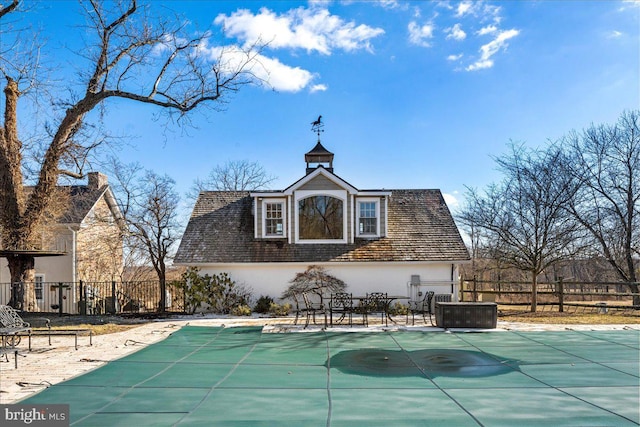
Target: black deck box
point(467, 315)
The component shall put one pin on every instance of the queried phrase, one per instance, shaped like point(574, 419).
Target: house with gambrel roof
point(402, 242)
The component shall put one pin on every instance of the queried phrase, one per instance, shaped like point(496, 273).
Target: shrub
point(399, 309)
point(241, 310)
point(218, 291)
point(279, 310)
point(263, 305)
point(231, 294)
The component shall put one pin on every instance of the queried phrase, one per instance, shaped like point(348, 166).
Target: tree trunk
point(23, 271)
point(163, 295)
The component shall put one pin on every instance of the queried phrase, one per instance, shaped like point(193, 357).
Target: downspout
point(353, 226)
point(255, 217)
point(73, 254)
point(290, 214)
point(74, 233)
point(386, 216)
point(455, 294)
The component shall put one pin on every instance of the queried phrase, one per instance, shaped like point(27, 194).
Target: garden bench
point(12, 327)
point(64, 332)
point(41, 326)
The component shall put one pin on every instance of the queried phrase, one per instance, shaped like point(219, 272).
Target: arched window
point(320, 218)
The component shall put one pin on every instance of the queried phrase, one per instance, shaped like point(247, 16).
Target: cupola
point(318, 156)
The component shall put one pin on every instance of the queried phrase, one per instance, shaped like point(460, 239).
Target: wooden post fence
point(560, 292)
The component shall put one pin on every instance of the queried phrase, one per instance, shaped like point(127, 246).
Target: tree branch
point(9, 8)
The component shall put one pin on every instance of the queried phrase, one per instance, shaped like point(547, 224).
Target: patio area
point(254, 375)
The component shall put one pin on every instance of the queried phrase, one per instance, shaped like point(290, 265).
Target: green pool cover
point(212, 376)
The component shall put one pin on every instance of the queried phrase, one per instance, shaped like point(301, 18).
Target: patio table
point(389, 299)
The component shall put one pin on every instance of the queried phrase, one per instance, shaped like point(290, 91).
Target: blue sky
point(414, 94)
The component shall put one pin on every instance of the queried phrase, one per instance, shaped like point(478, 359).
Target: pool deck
point(47, 365)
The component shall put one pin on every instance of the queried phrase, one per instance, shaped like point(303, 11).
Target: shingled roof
point(77, 200)
point(81, 200)
point(420, 228)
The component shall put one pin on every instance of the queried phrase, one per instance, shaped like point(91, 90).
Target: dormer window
point(274, 218)
point(321, 216)
point(368, 215)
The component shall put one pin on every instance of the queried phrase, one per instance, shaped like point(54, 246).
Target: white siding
point(394, 278)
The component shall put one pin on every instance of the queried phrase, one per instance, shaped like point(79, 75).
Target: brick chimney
point(96, 180)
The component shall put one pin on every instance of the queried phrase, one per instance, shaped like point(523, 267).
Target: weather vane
point(317, 126)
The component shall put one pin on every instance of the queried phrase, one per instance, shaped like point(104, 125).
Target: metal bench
point(64, 332)
point(12, 328)
point(41, 326)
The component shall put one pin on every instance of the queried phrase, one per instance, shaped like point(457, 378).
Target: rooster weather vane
point(317, 126)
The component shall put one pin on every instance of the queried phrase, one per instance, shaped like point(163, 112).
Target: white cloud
point(267, 71)
point(489, 29)
point(319, 3)
point(168, 43)
point(455, 57)
point(629, 6)
point(420, 35)
point(452, 201)
point(318, 88)
point(283, 77)
point(311, 29)
point(456, 32)
point(479, 9)
point(480, 64)
point(614, 34)
point(444, 4)
point(390, 4)
point(491, 48)
point(490, 12)
point(464, 8)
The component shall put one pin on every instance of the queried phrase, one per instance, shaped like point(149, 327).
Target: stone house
point(88, 236)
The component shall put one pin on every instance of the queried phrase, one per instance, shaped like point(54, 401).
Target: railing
point(96, 298)
point(601, 296)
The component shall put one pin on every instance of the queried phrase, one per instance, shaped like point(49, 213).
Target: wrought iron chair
point(375, 302)
point(312, 308)
point(422, 307)
point(341, 303)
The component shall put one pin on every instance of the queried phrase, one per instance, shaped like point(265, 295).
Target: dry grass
point(107, 328)
point(99, 325)
point(511, 314)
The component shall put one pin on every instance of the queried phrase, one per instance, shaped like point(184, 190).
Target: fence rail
point(598, 295)
point(96, 298)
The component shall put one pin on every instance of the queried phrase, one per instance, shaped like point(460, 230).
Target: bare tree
point(606, 160)
point(149, 204)
point(314, 279)
point(239, 175)
point(130, 55)
point(523, 221)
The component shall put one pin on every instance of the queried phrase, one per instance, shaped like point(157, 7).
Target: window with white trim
point(38, 285)
point(368, 218)
point(274, 218)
